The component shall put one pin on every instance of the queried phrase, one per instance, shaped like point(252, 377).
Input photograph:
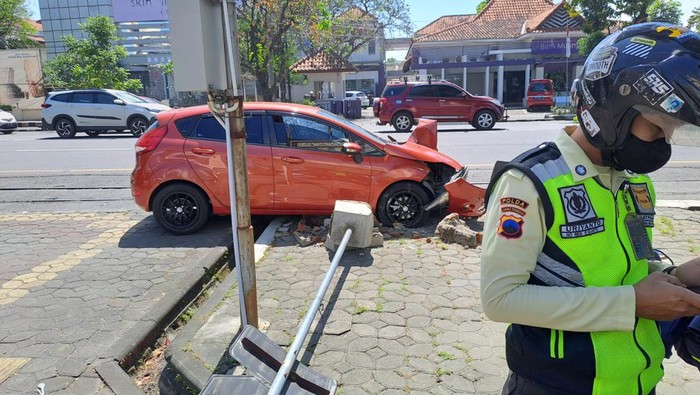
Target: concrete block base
point(353, 215)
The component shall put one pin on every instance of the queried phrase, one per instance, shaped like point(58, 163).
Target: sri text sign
point(140, 10)
point(553, 46)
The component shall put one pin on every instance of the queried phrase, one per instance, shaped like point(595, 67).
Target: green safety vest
point(587, 245)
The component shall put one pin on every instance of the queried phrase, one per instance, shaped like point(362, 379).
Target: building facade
point(498, 51)
point(142, 27)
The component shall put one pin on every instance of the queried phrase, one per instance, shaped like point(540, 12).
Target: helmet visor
point(678, 132)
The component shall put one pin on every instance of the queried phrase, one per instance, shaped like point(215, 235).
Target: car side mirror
point(120, 102)
point(353, 149)
point(464, 95)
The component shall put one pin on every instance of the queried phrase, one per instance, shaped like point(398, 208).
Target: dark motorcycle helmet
point(649, 69)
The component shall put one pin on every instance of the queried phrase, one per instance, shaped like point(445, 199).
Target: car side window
point(63, 97)
point(82, 97)
point(209, 128)
point(186, 125)
point(421, 91)
point(300, 132)
point(448, 91)
point(104, 98)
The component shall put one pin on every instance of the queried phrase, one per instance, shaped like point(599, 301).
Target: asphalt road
point(41, 173)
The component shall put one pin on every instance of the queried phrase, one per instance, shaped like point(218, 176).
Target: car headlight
point(154, 111)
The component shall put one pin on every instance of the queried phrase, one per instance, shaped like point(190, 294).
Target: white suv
point(362, 96)
point(96, 110)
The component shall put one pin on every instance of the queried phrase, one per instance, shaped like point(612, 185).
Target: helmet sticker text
point(581, 219)
point(591, 126)
point(587, 97)
point(672, 104)
point(600, 63)
point(642, 40)
point(653, 87)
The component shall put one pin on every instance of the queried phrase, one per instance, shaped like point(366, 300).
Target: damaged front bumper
point(460, 196)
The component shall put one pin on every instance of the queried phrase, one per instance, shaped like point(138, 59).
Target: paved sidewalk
point(80, 292)
point(403, 318)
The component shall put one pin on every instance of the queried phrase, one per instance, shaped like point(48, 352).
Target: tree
point(15, 30)
point(92, 62)
point(482, 5)
point(694, 19)
point(665, 11)
point(597, 15)
point(270, 31)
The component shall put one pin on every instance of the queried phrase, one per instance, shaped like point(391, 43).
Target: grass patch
point(446, 355)
point(442, 372)
point(357, 309)
point(665, 226)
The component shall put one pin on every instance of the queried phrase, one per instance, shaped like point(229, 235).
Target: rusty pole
point(240, 212)
point(246, 242)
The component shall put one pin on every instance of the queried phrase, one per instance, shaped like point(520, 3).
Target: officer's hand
point(662, 297)
point(689, 273)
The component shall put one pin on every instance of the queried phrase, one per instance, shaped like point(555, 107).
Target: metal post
point(291, 357)
point(243, 239)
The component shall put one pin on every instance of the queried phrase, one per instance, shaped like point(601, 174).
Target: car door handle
point(292, 159)
point(203, 151)
point(441, 100)
point(408, 100)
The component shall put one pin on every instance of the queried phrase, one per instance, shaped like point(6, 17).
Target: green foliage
point(482, 5)
point(586, 44)
point(665, 11)
point(92, 62)
point(6, 107)
point(15, 31)
point(694, 19)
point(167, 68)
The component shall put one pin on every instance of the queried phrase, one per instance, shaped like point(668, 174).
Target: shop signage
point(553, 46)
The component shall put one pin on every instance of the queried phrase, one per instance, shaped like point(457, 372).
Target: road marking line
point(8, 366)
point(22, 284)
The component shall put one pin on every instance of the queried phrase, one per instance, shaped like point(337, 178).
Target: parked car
point(94, 111)
point(540, 95)
point(8, 123)
point(359, 95)
point(402, 103)
point(301, 159)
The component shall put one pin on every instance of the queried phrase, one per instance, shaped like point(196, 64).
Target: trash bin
point(352, 109)
point(324, 104)
point(337, 107)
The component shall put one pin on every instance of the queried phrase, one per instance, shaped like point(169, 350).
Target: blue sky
point(426, 11)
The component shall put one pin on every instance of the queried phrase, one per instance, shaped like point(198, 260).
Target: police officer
point(567, 255)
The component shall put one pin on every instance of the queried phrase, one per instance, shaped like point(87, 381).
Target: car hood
point(153, 106)
point(422, 145)
point(6, 116)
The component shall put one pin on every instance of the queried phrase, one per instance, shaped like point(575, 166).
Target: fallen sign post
point(267, 361)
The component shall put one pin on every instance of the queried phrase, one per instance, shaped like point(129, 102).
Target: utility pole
point(238, 175)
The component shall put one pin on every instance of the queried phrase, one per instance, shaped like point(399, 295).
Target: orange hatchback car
point(301, 159)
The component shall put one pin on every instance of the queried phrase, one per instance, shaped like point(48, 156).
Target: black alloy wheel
point(181, 209)
point(403, 203)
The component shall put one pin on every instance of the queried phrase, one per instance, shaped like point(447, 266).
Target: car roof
point(84, 90)
point(248, 106)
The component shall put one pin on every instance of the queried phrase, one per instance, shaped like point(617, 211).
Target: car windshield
point(355, 128)
point(540, 87)
point(128, 97)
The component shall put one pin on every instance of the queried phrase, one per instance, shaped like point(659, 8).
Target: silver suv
point(94, 111)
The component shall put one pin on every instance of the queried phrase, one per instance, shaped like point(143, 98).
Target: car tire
point(402, 121)
point(484, 120)
point(93, 133)
point(181, 209)
point(65, 128)
point(138, 125)
point(404, 203)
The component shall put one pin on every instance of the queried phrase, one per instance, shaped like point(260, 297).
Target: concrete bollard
point(349, 214)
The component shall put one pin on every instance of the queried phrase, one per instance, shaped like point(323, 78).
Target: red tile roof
point(553, 20)
point(322, 62)
point(499, 19)
point(444, 22)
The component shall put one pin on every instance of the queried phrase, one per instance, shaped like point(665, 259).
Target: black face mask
point(642, 156)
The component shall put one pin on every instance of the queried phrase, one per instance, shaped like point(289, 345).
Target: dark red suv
point(401, 103)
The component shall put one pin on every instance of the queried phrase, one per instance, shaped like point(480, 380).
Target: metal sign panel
point(140, 10)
